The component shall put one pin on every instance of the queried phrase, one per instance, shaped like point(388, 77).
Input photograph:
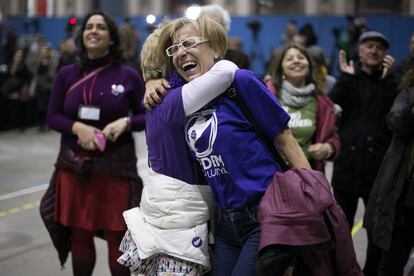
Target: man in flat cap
point(365, 91)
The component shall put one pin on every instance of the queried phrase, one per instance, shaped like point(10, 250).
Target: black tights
point(84, 254)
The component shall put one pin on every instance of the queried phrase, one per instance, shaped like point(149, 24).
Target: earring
point(283, 77)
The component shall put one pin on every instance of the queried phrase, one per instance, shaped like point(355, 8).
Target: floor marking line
point(357, 227)
point(16, 210)
point(24, 191)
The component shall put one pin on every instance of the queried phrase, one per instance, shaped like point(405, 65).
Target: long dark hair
point(277, 72)
point(407, 80)
point(114, 48)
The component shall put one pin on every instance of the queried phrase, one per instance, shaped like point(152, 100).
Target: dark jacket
point(298, 210)
point(238, 57)
point(365, 101)
point(381, 211)
point(120, 163)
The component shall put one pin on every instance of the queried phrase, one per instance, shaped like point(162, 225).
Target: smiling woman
point(195, 61)
point(96, 37)
point(194, 48)
point(185, 44)
point(312, 117)
point(233, 160)
point(95, 104)
point(175, 204)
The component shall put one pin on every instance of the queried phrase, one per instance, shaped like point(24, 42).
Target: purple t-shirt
point(235, 161)
point(113, 104)
point(168, 153)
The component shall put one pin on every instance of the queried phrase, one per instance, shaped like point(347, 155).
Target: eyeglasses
point(186, 44)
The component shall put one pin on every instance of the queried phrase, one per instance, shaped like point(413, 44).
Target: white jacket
point(172, 219)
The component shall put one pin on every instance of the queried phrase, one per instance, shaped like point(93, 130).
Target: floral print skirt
point(156, 265)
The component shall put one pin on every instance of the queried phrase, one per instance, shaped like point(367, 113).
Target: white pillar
point(339, 7)
point(132, 7)
point(311, 7)
point(50, 10)
point(136, 7)
point(31, 8)
point(218, 2)
point(61, 8)
point(9, 8)
point(80, 8)
point(157, 7)
point(14, 8)
point(411, 7)
point(244, 7)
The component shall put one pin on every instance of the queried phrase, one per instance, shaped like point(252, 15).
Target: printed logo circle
point(197, 242)
point(201, 133)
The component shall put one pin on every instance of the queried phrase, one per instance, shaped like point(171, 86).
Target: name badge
point(89, 112)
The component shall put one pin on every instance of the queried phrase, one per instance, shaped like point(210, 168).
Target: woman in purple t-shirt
point(236, 164)
point(168, 233)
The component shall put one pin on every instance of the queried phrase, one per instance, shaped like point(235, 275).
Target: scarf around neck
point(296, 96)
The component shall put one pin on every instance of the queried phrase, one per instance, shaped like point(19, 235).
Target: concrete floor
point(26, 164)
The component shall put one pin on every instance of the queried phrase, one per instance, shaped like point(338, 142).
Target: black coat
point(380, 214)
point(364, 135)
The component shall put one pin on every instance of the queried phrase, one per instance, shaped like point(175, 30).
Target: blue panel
point(397, 28)
point(114, 8)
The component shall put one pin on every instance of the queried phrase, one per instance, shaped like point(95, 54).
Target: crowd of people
point(29, 64)
point(217, 137)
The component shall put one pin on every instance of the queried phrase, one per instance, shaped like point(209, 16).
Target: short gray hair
point(219, 11)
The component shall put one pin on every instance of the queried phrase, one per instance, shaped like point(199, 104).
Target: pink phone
point(101, 141)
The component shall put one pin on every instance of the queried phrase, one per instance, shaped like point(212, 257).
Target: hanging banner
point(41, 7)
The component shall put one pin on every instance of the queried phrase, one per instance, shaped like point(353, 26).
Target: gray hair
point(219, 11)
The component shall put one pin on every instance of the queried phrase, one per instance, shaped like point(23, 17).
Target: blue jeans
point(236, 242)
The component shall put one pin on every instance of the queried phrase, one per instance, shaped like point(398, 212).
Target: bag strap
point(232, 94)
point(85, 78)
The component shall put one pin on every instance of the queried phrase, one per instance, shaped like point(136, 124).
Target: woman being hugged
point(95, 105)
point(312, 113)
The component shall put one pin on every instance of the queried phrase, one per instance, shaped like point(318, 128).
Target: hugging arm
point(200, 91)
point(197, 92)
point(155, 90)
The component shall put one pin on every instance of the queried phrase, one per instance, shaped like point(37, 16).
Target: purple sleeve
point(171, 110)
point(268, 112)
point(55, 115)
point(138, 111)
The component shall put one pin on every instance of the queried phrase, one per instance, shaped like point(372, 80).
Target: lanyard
point(87, 99)
point(86, 77)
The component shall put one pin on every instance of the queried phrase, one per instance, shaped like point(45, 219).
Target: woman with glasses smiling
point(185, 44)
point(168, 232)
point(234, 161)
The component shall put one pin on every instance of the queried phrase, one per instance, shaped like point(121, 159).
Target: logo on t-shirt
point(201, 135)
point(203, 125)
point(197, 242)
point(296, 119)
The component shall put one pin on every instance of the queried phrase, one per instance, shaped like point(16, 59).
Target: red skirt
point(96, 204)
